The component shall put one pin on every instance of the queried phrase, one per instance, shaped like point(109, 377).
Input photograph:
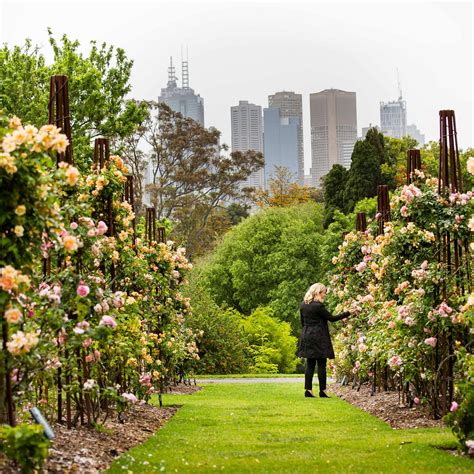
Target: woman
point(315, 342)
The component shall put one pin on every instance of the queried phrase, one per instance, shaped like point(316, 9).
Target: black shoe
point(308, 394)
point(323, 395)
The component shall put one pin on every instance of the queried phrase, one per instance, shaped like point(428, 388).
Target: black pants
point(309, 372)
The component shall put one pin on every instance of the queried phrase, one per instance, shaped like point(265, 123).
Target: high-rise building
point(291, 105)
point(366, 129)
point(280, 143)
point(415, 133)
point(247, 134)
point(333, 131)
point(182, 99)
point(393, 118)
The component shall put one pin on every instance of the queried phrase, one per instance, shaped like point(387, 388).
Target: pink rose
point(87, 342)
point(108, 321)
point(454, 407)
point(73, 225)
point(391, 324)
point(82, 290)
point(404, 211)
point(416, 400)
point(431, 341)
point(101, 228)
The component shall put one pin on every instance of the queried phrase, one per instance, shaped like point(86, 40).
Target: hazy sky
point(247, 50)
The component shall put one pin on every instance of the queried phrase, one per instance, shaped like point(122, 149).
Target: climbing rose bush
point(405, 320)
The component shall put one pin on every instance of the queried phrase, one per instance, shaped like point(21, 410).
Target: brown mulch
point(87, 450)
point(386, 406)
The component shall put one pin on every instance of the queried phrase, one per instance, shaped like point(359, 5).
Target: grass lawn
point(273, 428)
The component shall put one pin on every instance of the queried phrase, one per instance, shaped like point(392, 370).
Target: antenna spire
point(171, 74)
point(184, 70)
point(399, 86)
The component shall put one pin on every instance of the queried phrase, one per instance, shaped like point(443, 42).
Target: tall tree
point(333, 188)
point(365, 174)
point(98, 85)
point(190, 176)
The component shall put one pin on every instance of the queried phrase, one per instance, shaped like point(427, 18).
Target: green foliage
point(364, 175)
point(237, 212)
point(333, 185)
point(271, 345)
point(269, 259)
point(98, 85)
point(222, 343)
point(332, 238)
point(367, 205)
point(24, 444)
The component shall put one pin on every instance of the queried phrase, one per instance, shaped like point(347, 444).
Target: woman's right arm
point(329, 317)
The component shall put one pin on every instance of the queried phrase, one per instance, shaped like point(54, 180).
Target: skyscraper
point(291, 105)
point(333, 131)
point(393, 118)
point(182, 99)
point(247, 134)
point(280, 142)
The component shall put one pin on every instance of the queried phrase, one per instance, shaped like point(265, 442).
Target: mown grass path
point(273, 428)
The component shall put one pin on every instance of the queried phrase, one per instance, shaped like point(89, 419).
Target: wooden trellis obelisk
point(413, 163)
point(152, 231)
point(361, 222)
point(383, 206)
point(449, 181)
point(101, 158)
point(59, 112)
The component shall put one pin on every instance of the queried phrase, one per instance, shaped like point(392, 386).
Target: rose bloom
point(108, 321)
point(454, 407)
point(19, 230)
point(20, 210)
point(13, 315)
point(130, 397)
point(82, 290)
point(101, 228)
point(431, 341)
point(70, 243)
point(416, 400)
point(72, 175)
point(470, 165)
point(471, 224)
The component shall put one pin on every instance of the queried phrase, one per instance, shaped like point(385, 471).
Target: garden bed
point(386, 406)
point(88, 450)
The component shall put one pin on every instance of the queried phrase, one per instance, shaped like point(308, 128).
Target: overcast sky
point(247, 50)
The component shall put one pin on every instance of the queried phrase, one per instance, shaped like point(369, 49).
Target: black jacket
point(315, 341)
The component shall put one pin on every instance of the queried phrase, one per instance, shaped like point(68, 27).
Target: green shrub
point(223, 347)
point(24, 444)
point(272, 347)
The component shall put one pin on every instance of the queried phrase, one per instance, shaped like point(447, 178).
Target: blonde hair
point(314, 293)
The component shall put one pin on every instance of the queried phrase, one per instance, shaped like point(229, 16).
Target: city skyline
point(356, 47)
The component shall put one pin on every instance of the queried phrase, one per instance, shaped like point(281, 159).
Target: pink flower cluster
point(82, 290)
point(360, 267)
point(409, 193)
point(395, 361)
point(431, 341)
point(108, 321)
point(444, 310)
